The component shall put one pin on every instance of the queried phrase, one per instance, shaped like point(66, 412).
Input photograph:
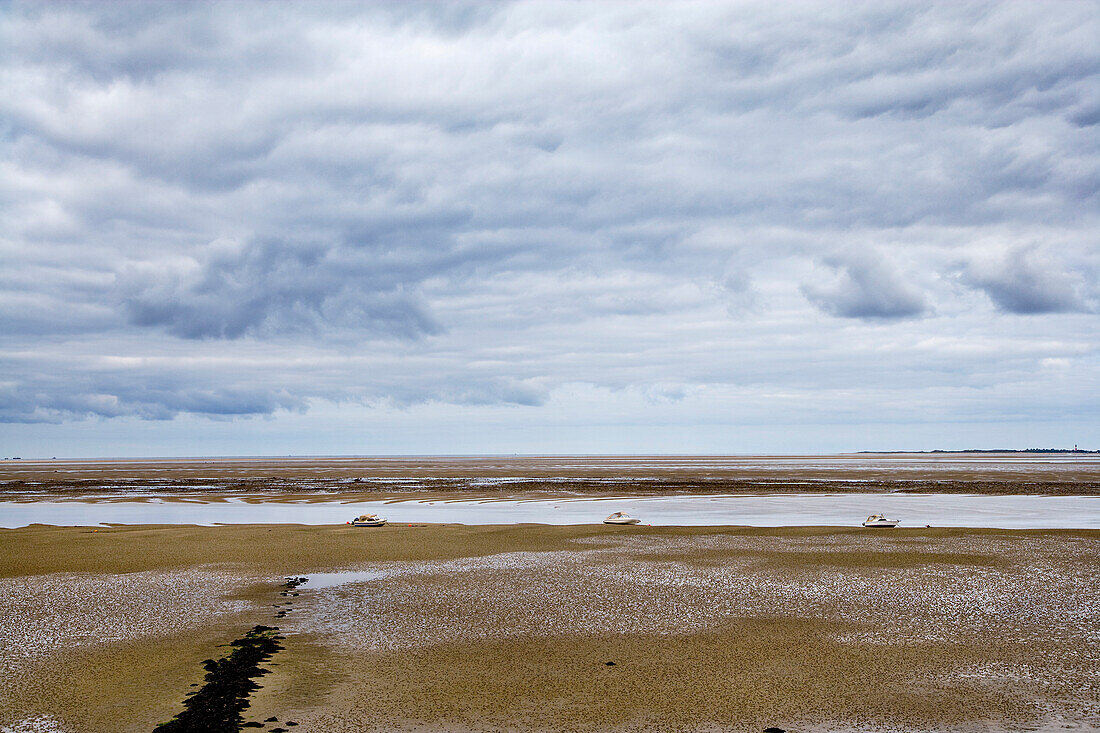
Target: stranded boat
point(620, 518)
point(367, 520)
point(878, 520)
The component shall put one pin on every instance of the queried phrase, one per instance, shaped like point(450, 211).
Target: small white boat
point(368, 520)
point(878, 520)
point(621, 518)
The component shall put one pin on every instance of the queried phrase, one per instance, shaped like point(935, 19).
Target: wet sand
point(365, 479)
point(512, 627)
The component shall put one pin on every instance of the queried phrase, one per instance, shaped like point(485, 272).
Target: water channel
point(776, 510)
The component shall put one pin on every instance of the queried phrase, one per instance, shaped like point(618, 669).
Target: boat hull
point(881, 525)
point(381, 523)
point(632, 520)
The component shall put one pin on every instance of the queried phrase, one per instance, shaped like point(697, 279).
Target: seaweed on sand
point(216, 706)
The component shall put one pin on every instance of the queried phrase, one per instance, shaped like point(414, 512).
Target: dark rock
point(610, 664)
point(272, 719)
point(774, 730)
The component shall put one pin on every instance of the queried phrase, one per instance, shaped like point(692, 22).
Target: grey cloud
point(865, 286)
point(79, 394)
point(450, 19)
point(270, 288)
point(226, 386)
point(1086, 116)
point(1023, 282)
point(736, 290)
point(509, 391)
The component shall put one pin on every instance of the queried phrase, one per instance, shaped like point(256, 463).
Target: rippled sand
point(512, 628)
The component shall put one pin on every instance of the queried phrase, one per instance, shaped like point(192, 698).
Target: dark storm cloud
point(479, 204)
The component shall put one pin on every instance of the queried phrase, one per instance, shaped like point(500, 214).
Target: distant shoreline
point(531, 456)
point(1029, 451)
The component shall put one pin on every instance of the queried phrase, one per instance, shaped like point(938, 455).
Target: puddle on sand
point(317, 581)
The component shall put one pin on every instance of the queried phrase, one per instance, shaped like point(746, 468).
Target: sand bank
point(512, 627)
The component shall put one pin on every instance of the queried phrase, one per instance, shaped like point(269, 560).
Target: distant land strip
point(975, 450)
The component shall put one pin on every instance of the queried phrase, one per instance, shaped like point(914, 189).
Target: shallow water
point(781, 510)
point(317, 581)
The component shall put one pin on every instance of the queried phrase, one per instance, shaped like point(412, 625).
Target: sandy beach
point(530, 627)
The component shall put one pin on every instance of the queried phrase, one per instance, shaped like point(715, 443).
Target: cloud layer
point(237, 209)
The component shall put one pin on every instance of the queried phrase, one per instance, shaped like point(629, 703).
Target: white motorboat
point(368, 520)
point(621, 518)
point(878, 520)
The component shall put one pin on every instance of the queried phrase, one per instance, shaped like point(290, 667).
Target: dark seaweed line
point(216, 707)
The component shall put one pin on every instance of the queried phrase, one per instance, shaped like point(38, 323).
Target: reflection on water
point(914, 510)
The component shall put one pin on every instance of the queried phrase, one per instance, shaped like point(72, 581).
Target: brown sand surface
point(273, 478)
point(467, 628)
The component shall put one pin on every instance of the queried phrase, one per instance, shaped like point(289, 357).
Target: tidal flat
point(369, 478)
point(534, 627)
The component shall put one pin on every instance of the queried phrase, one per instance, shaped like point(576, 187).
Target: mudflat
point(362, 478)
point(532, 627)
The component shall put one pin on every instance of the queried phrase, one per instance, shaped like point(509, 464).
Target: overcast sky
point(537, 227)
